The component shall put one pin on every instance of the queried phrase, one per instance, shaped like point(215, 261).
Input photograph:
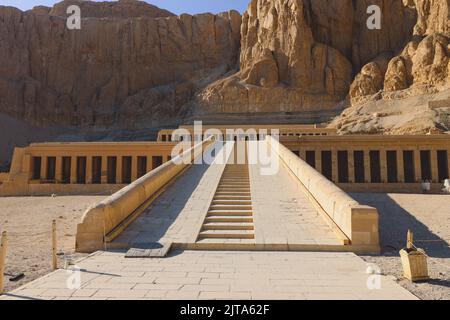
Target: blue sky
point(175, 6)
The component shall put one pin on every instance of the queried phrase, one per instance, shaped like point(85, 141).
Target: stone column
point(319, 160)
point(417, 171)
point(89, 170)
point(302, 154)
point(367, 175)
point(27, 165)
point(133, 168)
point(448, 162)
point(58, 169)
point(434, 166)
point(149, 163)
point(119, 170)
point(400, 168)
point(44, 167)
point(104, 169)
point(73, 170)
point(383, 166)
point(334, 165)
point(351, 166)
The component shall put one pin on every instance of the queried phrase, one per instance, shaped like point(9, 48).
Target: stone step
point(228, 226)
point(231, 202)
point(234, 183)
point(230, 213)
point(228, 191)
point(228, 219)
point(230, 207)
point(232, 197)
point(241, 186)
point(227, 234)
point(235, 178)
point(213, 241)
point(236, 172)
point(233, 188)
point(233, 192)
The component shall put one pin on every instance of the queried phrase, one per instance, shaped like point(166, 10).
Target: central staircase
point(230, 215)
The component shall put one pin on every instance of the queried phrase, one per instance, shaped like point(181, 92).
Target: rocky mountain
point(116, 71)
point(121, 9)
point(416, 73)
point(312, 59)
point(133, 66)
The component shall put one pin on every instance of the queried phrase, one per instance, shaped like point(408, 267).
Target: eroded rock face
point(433, 16)
point(414, 97)
point(125, 73)
point(136, 66)
point(423, 65)
point(301, 55)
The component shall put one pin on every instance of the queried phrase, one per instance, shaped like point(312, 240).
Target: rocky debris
point(400, 112)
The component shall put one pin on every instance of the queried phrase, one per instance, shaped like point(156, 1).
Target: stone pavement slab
point(282, 212)
point(215, 275)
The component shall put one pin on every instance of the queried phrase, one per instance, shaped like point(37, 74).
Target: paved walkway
point(216, 275)
point(283, 214)
point(177, 215)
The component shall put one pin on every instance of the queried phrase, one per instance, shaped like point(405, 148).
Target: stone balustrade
point(102, 218)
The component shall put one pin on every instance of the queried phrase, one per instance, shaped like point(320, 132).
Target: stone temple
point(228, 229)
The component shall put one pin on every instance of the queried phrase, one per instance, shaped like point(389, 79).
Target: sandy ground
point(28, 221)
point(428, 216)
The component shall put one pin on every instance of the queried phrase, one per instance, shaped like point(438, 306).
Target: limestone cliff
point(134, 66)
point(421, 66)
point(420, 69)
point(300, 56)
point(131, 65)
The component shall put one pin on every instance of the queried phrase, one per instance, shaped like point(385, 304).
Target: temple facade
point(356, 163)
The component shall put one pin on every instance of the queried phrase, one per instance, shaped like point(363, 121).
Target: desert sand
point(28, 221)
point(428, 216)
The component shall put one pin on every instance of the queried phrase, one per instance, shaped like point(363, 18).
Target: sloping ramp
point(175, 216)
